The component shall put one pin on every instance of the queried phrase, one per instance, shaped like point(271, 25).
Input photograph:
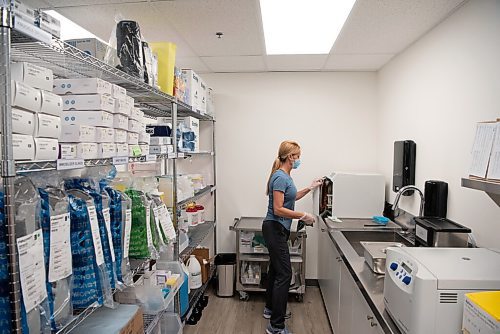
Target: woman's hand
point(308, 219)
point(316, 183)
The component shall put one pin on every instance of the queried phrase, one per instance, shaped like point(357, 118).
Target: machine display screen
point(405, 267)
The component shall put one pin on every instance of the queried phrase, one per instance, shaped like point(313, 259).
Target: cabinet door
point(363, 320)
point(347, 289)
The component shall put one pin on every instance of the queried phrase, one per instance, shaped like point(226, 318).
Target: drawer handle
point(369, 317)
point(373, 324)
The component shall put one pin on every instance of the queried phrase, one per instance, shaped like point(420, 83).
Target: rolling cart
point(252, 258)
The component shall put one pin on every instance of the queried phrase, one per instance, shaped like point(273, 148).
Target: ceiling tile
point(194, 63)
point(296, 62)
point(198, 21)
point(73, 3)
point(235, 63)
point(354, 62)
point(388, 26)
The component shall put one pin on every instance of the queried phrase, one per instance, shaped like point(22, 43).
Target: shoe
point(271, 330)
point(268, 313)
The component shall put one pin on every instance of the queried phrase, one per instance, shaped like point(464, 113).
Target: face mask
point(296, 164)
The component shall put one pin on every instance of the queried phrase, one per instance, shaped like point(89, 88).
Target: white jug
point(194, 273)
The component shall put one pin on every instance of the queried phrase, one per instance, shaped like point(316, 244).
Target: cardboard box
point(105, 135)
point(210, 102)
point(194, 145)
point(135, 126)
point(164, 121)
point(170, 148)
point(132, 138)
point(119, 92)
point(23, 122)
point(481, 313)
point(82, 86)
point(47, 126)
point(203, 257)
point(120, 121)
point(24, 12)
point(122, 107)
point(67, 151)
point(48, 23)
point(121, 136)
point(122, 150)
point(88, 117)
point(144, 138)
point(160, 141)
point(91, 46)
point(106, 150)
point(127, 319)
point(89, 102)
point(192, 88)
point(23, 147)
point(51, 104)
point(77, 133)
point(144, 149)
point(46, 149)
point(202, 98)
point(137, 114)
point(87, 151)
point(158, 149)
point(32, 75)
point(134, 151)
point(25, 97)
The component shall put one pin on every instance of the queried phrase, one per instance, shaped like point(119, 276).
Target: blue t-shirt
point(281, 181)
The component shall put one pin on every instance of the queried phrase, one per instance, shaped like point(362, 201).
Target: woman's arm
point(279, 210)
point(302, 193)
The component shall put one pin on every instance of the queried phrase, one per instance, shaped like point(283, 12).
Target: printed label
point(96, 237)
point(107, 222)
point(180, 155)
point(60, 247)
point(128, 228)
point(151, 157)
point(148, 226)
point(421, 232)
point(166, 223)
point(32, 269)
point(171, 155)
point(120, 160)
point(156, 214)
point(70, 164)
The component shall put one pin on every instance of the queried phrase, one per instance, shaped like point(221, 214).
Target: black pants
point(280, 270)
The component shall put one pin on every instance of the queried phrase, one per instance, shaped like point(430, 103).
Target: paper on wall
point(494, 166)
point(481, 150)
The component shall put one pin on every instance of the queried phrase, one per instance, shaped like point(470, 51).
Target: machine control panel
point(402, 272)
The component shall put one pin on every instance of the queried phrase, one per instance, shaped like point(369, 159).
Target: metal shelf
point(82, 315)
point(265, 258)
point(197, 195)
point(490, 188)
point(195, 295)
point(196, 236)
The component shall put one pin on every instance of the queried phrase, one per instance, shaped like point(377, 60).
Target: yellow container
point(482, 313)
point(165, 52)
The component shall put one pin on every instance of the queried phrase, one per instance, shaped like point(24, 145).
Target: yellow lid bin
point(165, 52)
point(482, 313)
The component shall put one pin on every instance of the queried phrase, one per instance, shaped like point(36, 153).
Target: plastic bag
point(129, 48)
point(91, 283)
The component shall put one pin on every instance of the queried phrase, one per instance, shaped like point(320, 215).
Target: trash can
point(226, 265)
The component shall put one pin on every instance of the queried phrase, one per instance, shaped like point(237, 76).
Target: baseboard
point(312, 282)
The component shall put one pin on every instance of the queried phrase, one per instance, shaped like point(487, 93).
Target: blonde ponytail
point(286, 148)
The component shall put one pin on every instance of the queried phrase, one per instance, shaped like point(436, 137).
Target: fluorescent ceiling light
point(71, 30)
point(303, 26)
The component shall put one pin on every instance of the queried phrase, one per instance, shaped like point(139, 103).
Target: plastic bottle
point(194, 273)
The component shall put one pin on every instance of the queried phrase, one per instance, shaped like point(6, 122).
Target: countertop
point(370, 284)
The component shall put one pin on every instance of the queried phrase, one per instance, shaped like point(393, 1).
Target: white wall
point(434, 93)
point(331, 115)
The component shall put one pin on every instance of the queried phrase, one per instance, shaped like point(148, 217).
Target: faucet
point(405, 189)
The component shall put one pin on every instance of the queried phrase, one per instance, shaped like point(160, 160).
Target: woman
point(276, 229)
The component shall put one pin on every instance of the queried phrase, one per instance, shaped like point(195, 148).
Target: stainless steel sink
point(355, 238)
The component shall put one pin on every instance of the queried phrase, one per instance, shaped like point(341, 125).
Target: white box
point(23, 147)
point(88, 117)
point(47, 126)
point(210, 102)
point(122, 107)
point(48, 23)
point(132, 138)
point(67, 151)
point(24, 12)
point(135, 126)
point(77, 133)
point(91, 46)
point(481, 320)
point(119, 92)
point(134, 151)
point(130, 101)
point(106, 150)
point(192, 88)
point(144, 138)
point(137, 114)
point(122, 150)
point(23, 122)
point(89, 102)
point(144, 149)
point(170, 148)
point(32, 75)
point(82, 86)
point(51, 104)
point(203, 98)
point(193, 124)
point(121, 136)
point(25, 97)
point(46, 149)
point(158, 149)
point(105, 135)
point(160, 140)
point(120, 121)
point(164, 121)
point(87, 151)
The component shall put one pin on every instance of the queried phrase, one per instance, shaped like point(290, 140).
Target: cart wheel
point(300, 298)
point(244, 296)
